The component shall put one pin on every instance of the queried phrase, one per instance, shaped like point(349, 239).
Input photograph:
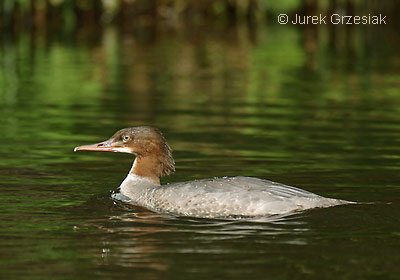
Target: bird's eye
point(126, 138)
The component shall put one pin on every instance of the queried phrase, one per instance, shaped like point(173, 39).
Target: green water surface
point(272, 103)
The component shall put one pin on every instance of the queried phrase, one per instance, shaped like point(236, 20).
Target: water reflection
point(220, 229)
point(135, 237)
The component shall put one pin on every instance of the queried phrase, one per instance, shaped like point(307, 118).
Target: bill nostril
point(100, 145)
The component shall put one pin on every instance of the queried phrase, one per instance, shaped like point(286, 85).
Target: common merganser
point(206, 198)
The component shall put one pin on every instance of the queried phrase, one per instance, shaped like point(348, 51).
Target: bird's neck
point(147, 167)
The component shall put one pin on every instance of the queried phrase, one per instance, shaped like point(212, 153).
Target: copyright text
point(333, 19)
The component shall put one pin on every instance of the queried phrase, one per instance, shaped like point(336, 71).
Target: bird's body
point(222, 197)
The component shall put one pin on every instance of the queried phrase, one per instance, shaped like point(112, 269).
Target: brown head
point(153, 154)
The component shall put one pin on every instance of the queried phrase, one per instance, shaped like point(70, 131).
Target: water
point(276, 103)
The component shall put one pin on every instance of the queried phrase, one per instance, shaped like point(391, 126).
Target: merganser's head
point(147, 143)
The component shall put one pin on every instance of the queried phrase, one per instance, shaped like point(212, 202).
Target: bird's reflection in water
point(136, 237)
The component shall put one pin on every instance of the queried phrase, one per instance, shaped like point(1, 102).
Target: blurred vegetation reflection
point(71, 13)
point(189, 66)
